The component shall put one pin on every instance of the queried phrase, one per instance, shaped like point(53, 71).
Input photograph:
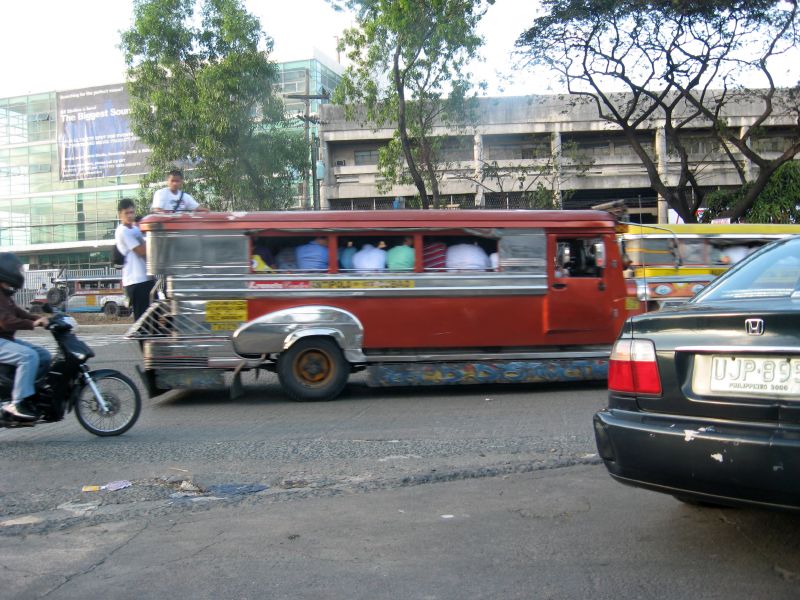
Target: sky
point(48, 45)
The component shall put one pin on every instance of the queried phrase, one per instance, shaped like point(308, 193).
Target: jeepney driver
point(173, 199)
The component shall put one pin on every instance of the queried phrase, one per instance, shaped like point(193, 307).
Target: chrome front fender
point(276, 332)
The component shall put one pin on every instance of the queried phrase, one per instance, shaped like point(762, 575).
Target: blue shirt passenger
point(313, 255)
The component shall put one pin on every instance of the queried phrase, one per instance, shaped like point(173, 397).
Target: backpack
point(117, 257)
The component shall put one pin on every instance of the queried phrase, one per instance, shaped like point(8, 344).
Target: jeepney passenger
point(313, 256)
point(401, 257)
point(369, 258)
point(494, 261)
point(467, 257)
point(286, 259)
point(262, 259)
point(346, 256)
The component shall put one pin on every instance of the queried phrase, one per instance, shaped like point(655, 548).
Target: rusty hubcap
point(313, 367)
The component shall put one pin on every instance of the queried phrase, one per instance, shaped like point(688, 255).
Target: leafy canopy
point(202, 96)
point(409, 71)
point(682, 66)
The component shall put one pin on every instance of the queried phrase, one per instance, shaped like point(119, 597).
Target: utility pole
point(313, 145)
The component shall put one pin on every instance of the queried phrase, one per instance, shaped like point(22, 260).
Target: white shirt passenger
point(369, 258)
point(467, 257)
point(134, 270)
point(166, 200)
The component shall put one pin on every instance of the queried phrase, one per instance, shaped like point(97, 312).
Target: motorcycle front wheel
point(122, 399)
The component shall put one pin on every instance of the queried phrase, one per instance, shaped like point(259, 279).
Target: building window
point(366, 157)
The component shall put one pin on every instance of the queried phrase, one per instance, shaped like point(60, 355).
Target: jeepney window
point(651, 251)
point(458, 253)
point(576, 257)
point(522, 252)
point(391, 251)
point(289, 254)
point(693, 252)
point(728, 253)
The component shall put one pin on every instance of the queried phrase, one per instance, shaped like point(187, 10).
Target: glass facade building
point(313, 77)
point(38, 211)
point(51, 223)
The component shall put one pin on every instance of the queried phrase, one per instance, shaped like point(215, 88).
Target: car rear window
point(771, 273)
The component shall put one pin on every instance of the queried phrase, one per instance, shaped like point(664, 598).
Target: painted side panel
point(542, 371)
point(452, 322)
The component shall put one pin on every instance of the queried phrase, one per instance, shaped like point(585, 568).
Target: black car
point(704, 399)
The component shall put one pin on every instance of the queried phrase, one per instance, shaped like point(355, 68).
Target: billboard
point(94, 135)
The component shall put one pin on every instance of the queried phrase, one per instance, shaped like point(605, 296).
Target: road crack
point(97, 564)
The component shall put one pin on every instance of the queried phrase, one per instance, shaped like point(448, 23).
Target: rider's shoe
point(23, 410)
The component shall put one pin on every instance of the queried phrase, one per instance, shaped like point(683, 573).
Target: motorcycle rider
point(31, 361)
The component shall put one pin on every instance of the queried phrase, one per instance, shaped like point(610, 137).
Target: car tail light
point(633, 368)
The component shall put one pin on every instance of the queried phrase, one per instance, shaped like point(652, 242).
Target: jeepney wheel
point(110, 309)
point(313, 369)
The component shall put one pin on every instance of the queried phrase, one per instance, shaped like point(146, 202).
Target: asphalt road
point(490, 492)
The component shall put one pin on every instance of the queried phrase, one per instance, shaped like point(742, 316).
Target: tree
point(408, 70)
point(778, 202)
point(202, 96)
point(681, 65)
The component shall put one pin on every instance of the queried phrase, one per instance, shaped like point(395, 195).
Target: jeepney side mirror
point(600, 255)
point(562, 255)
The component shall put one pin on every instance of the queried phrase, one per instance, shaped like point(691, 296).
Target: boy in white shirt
point(131, 244)
point(172, 198)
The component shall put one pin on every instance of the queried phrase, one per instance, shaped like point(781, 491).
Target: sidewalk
point(560, 534)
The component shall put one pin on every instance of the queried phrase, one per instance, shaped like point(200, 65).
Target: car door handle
point(601, 286)
point(559, 286)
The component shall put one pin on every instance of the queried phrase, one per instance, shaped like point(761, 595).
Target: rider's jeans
point(31, 362)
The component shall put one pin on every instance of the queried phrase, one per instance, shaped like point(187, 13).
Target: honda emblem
point(754, 326)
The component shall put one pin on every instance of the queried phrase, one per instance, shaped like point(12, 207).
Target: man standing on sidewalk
point(130, 243)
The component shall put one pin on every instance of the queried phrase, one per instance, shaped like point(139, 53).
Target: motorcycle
point(105, 401)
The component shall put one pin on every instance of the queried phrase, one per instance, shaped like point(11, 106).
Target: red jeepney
point(481, 297)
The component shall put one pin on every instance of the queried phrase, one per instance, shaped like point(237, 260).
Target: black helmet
point(11, 270)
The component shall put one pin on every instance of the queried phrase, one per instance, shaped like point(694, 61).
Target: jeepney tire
point(313, 369)
point(110, 309)
point(35, 309)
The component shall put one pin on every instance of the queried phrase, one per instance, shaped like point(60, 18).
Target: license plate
point(755, 375)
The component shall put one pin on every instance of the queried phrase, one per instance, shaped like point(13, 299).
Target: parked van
point(478, 297)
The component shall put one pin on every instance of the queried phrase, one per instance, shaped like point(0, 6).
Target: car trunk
point(712, 366)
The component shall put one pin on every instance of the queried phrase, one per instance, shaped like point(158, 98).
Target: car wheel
point(313, 369)
point(110, 309)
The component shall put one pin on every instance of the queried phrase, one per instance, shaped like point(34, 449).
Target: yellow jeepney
point(671, 263)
